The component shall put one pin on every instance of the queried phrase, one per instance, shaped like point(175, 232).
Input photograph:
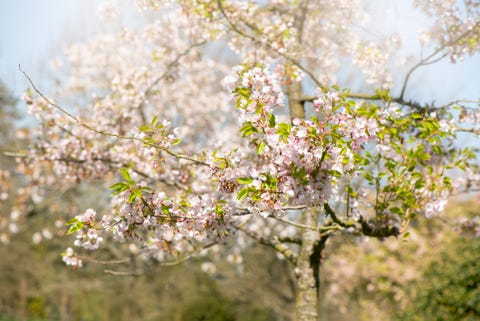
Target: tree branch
point(105, 133)
point(273, 243)
point(329, 211)
point(188, 256)
point(302, 226)
point(375, 230)
point(427, 61)
point(290, 239)
point(366, 228)
point(89, 259)
point(122, 273)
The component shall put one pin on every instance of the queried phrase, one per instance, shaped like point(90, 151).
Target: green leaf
point(72, 221)
point(472, 42)
point(284, 129)
point(419, 184)
point(119, 187)
point(76, 227)
point(437, 150)
point(242, 91)
point(260, 148)
point(126, 174)
point(243, 193)
point(245, 180)
point(248, 129)
point(154, 121)
point(416, 116)
point(335, 173)
point(447, 181)
point(271, 120)
point(136, 193)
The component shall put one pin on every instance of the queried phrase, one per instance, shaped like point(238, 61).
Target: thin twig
point(105, 133)
point(188, 256)
point(86, 258)
point(302, 226)
point(426, 61)
point(121, 273)
point(274, 244)
point(172, 64)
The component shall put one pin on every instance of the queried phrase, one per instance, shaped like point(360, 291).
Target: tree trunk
point(307, 268)
point(308, 262)
point(307, 271)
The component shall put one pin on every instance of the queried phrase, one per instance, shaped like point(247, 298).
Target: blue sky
point(33, 31)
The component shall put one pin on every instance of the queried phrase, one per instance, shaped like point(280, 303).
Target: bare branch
point(119, 261)
point(274, 244)
point(375, 230)
point(329, 211)
point(188, 256)
point(165, 74)
point(302, 226)
point(121, 273)
point(327, 228)
point(427, 60)
point(288, 239)
point(366, 228)
point(172, 64)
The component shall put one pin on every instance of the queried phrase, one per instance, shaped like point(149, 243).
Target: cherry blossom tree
point(226, 120)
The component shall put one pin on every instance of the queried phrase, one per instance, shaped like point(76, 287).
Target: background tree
point(299, 159)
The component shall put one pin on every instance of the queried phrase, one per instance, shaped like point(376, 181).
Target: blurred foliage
point(207, 308)
point(449, 289)
point(37, 286)
point(7, 112)
point(391, 279)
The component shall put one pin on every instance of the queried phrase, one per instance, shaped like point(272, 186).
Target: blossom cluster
point(258, 88)
point(296, 163)
point(373, 62)
point(155, 136)
point(303, 162)
point(71, 259)
point(87, 236)
point(273, 31)
point(160, 223)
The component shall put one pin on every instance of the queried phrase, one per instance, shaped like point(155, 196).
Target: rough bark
point(294, 92)
point(307, 272)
